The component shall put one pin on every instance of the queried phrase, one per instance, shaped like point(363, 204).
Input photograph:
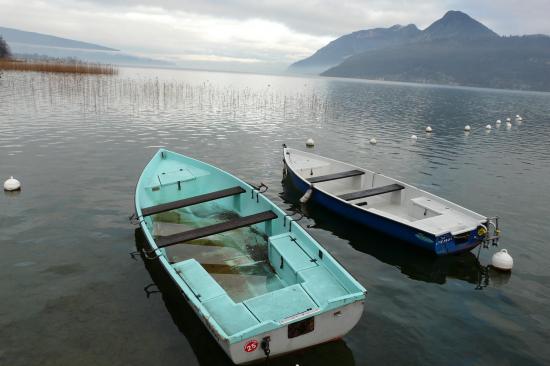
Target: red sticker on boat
point(251, 346)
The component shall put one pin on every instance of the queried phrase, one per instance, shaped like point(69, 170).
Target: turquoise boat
point(260, 284)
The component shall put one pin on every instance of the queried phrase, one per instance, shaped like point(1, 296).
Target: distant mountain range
point(340, 49)
point(31, 38)
point(35, 45)
point(455, 49)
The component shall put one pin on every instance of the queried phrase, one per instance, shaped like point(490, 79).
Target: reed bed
point(103, 93)
point(58, 66)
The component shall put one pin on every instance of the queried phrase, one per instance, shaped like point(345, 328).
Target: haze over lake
point(72, 294)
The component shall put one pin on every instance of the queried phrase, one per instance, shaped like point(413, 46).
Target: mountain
point(457, 25)
point(350, 44)
point(33, 45)
point(11, 35)
point(506, 63)
point(456, 50)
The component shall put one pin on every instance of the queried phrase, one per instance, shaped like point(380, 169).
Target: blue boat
point(260, 284)
point(386, 204)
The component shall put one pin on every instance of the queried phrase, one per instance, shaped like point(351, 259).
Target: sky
point(255, 35)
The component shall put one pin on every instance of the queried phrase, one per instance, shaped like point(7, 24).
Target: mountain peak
point(408, 27)
point(456, 24)
point(456, 14)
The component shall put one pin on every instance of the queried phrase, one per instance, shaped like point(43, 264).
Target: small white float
point(467, 128)
point(12, 184)
point(428, 129)
point(310, 142)
point(502, 260)
point(372, 141)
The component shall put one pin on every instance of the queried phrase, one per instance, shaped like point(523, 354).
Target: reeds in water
point(58, 66)
point(99, 93)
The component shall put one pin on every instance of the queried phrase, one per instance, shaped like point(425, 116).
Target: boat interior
point(383, 196)
point(245, 261)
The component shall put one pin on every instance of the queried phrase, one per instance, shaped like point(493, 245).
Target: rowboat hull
point(301, 311)
point(330, 328)
point(440, 244)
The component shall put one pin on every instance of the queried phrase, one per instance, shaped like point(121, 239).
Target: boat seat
point(371, 192)
point(288, 257)
point(191, 201)
point(232, 317)
point(281, 305)
point(341, 175)
point(166, 241)
point(429, 204)
point(199, 281)
point(321, 285)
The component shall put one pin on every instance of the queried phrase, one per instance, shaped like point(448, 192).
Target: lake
point(71, 293)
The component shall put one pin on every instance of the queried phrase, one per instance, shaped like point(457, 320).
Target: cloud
point(161, 33)
point(315, 17)
point(337, 17)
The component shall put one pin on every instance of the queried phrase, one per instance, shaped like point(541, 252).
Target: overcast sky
point(249, 32)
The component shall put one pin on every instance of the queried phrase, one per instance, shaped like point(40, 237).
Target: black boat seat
point(341, 175)
point(191, 201)
point(166, 241)
point(371, 192)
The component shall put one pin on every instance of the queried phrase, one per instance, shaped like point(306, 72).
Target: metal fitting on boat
point(265, 345)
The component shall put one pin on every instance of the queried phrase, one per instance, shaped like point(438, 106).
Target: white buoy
point(498, 122)
point(502, 260)
point(518, 117)
point(12, 184)
point(310, 142)
point(508, 119)
point(428, 129)
point(467, 128)
point(373, 141)
point(508, 125)
point(488, 127)
point(414, 137)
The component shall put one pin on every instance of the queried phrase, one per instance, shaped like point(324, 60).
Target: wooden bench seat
point(202, 232)
point(371, 192)
point(191, 201)
point(341, 175)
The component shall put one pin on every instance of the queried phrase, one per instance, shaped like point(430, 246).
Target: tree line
point(4, 49)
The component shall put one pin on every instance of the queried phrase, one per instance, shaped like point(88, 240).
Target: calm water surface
point(71, 294)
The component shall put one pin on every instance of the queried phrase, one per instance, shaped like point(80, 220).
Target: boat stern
point(306, 332)
point(459, 243)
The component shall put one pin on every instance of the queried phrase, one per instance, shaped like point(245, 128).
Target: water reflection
point(207, 351)
point(12, 193)
point(413, 262)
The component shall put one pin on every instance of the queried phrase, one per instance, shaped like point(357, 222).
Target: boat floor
point(236, 259)
point(392, 209)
